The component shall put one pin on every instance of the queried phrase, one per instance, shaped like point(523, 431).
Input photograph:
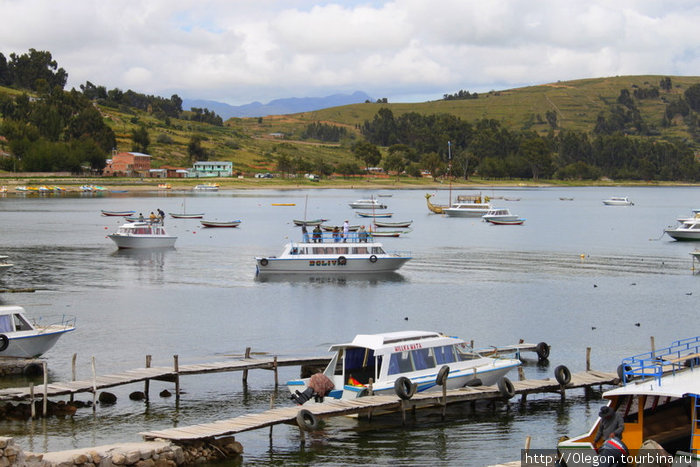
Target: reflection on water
point(338, 279)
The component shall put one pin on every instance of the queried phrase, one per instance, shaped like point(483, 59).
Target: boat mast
point(449, 169)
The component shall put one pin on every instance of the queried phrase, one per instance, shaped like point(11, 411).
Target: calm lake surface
point(202, 302)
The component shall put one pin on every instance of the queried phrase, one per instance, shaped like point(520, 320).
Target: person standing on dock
point(611, 425)
point(346, 230)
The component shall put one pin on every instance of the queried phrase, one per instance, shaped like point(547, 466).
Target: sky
point(241, 51)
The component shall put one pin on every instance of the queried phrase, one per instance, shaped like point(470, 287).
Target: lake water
point(202, 302)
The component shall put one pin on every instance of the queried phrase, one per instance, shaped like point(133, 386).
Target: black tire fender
point(263, 262)
point(442, 375)
point(562, 375)
point(542, 351)
point(4, 342)
point(373, 259)
point(474, 382)
point(306, 420)
point(506, 388)
point(403, 387)
point(342, 260)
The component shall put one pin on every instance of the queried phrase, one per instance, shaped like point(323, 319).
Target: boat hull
point(31, 344)
point(131, 241)
point(330, 264)
point(683, 235)
point(220, 224)
point(505, 221)
point(118, 213)
point(186, 216)
point(454, 212)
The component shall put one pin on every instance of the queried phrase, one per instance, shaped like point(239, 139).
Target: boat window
point(21, 324)
point(342, 250)
point(423, 359)
point(464, 355)
point(5, 323)
point(400, 362)
point(360, 364)
point(339, 363)
point(361, 250)
point(444, 354)
point(377, 250)
point(318, 250)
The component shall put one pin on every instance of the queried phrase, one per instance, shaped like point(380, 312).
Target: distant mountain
point(290, 105)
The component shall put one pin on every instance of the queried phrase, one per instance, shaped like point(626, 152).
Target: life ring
point(373, 259)
point(263, 262)
point(342, 260)
point(442, 375)
point(403, 387)
point(4, 342)
point(306, 420)
point(542, 350)
point(506, 388)
point(621, 372)
point(562, 375)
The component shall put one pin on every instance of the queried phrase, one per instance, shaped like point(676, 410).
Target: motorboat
point(322, 253)
point(22, 338)
point(695, 215)
point(685, 230)
point(143, 235)
point(208, 223)
point(658, 402)
point(499, 214)
point(117, 213)
point(207, 187)
point(467, 209)
point(5, 265)
point(419, 356)
point(618, 201)
point(367, 204)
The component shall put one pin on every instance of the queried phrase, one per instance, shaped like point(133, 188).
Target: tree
point(367, 153)
point(195, 150)
point(394, 162)
point(26, 69)
point(432, 163)
point(536, 151)
point(665, 84)
point(140, 139)
point(692, 97)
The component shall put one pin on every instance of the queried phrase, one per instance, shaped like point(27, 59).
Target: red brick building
point(128, 164)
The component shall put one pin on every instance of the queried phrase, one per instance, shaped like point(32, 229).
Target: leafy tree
point(26, 69)
point(140, 139)
point(348, 168)
point(665, 84)
point(195, 150)
point(432, 163)
point(536, 152)
point(5, 78)
point(551, 117)
point(394, 162)
point(367, 153)
point(692, 97)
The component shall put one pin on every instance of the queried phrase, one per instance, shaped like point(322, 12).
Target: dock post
point(46, 388)
point(274, 367)
point(653, 347)
point(72, 364)
point(370, 392)
point(94, 386)
point(147, 383)
point(444, 398)
point(403, 412)
point(31, 399)
point(588, 359)
point(176, 367)
point(245, 372)
point(272, 406)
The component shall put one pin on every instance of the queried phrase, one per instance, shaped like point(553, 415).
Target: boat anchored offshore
point(367, 204)
point(21, 338)
point(687, 229)
point(395, 361)
point(143, 235)
point(321, 253)
point(618, 201)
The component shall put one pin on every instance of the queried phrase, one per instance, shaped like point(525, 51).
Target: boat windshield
point(21, 324)
point(360, 364)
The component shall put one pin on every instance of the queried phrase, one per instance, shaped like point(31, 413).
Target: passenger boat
point(367, 204)
point(695, 215)
point(5, 265)
point(618, 201)
point(468, 209)
point(424, 358)
point(207, 223)
point(207, 187)
point(393, 225)
point(685, 230)
point(117, 213)
point(22, 338)
point(501, 214)
point(143, 235)
point(659, 403)
point(321, 254)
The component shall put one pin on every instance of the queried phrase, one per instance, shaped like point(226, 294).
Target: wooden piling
point(31, 399)
point(176, 369)
point(46, 388)
point(444, 398)
point(73, 371)
point(94, 386)
point(245, 372)
point(653, 347)
point(147, 383)
point(274, 367)
point(588, 359)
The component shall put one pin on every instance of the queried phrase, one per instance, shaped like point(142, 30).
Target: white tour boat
point(4, 264)
point(467, 209)
point(321, 253)
point(500, 214)
point(687, 229)
point(143, 235)
point(367, 204)
point(207, 187)
point(658, 403)
point(389, 359)
point(618, 201)
point(21, 338)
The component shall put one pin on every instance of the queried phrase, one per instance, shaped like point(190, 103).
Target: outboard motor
point(301, 397)
point(612, 453)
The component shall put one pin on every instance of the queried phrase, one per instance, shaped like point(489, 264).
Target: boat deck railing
point(680, 354)
point(338, 237)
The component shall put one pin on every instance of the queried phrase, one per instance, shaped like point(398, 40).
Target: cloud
point(243, 51)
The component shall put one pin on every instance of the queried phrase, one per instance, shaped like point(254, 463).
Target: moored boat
point(22, 338)
point(209, 223)
point(467, 209)
point(424, 358)
point(309, 222)
point(435, 208)
point(499, 214)
point(183, 215)
point(117, 213)
point(688, 229)
point(618, 201)
point(393, 225)
point(143, 235)
point(367, 204)
point(207, 187)
point(505, 221)
point(381, 215)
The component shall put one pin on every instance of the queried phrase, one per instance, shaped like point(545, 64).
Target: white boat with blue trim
point(389, 359)
point(22, 338)
point(322, 252)
point(143, 235)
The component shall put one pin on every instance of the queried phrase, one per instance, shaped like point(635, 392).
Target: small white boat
point(378, 215)
point(506, 221)
point(393, 225)
point(367, 204)
point(207, 187)
point(324, 254)
point(22, 338)
point(499, 214)
point(685, 230)
point(182, 215)
point(618, 201)
point(467, 209)
point(5, 265)
point(308, 222)
point(389, 359)
point(143, 235)
point(118, 213)
point(658, 402)
point(207, 223)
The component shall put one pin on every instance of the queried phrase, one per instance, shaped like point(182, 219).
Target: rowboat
point(505, 221)
point(309, 222)
point(389, 233)
point(197, 215)
point(206, 223)
point(375, 214)
point(329, 228)
point(393, 225)
point(117, 213)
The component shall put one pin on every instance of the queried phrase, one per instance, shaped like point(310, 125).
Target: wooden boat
point(196, 215)
point(436, 208)
point(22, 338)
point(389, 233)
point(117, 213)
point(505, 221)
point(375, 214)
point(309, 222)
point(393, 225)
point(206, 223)
point(329, 228)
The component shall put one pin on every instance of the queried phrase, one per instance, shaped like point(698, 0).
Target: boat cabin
point(12, 320)
point(330, 249)
point(141, 228)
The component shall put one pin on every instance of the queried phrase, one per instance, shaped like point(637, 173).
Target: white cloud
point(264, 49)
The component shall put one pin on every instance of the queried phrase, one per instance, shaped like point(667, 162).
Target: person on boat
point(161, 216)
point(304, 233)
point(318, 238)
point(141, 217)
point(336, 234)
point(362, 234)
point(611, 424)
point(346, 230)
point(152, 217)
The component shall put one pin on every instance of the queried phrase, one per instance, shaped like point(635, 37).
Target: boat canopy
point(398, 341)
point(680, 384)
